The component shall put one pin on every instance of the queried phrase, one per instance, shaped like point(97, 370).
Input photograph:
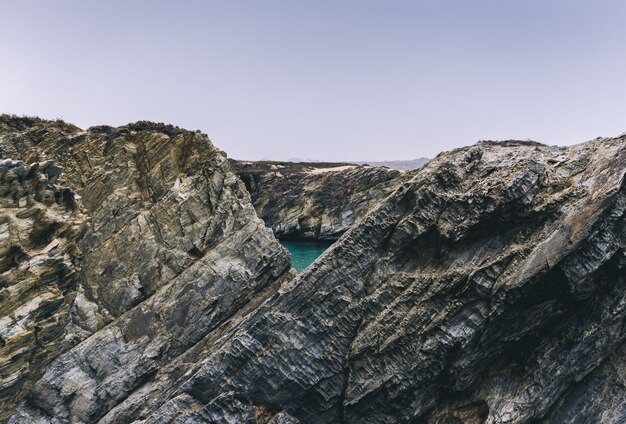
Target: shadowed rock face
point(488, 288)
point(315, 201)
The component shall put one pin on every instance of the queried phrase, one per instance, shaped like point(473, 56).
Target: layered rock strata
point(315, 201)
point(488, 288)
point(171, 252)
point(39, 223)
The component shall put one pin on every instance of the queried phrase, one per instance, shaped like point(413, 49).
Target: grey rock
point(39, 222)
point(489, 287)
point(316, 201)
point(170, 253)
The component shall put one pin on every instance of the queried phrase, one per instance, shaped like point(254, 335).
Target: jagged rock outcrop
point(170, 253)
point(315, 201)
point(488, 288)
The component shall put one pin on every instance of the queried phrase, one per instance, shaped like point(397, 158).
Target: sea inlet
point(305, 252)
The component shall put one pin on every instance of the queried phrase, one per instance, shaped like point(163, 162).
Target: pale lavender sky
point(331, 80)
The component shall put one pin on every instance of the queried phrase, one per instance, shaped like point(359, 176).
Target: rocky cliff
point(315, 201)
point(488, 288)
point(153, 251)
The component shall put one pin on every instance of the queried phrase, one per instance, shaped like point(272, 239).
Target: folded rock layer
point(169, 253)
point(39, 222)
point(487, 288)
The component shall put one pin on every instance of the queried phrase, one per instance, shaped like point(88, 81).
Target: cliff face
point(315, 201)
point(487, 288)
point(170, 251)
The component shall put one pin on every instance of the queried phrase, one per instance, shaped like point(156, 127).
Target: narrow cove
point(305, 252)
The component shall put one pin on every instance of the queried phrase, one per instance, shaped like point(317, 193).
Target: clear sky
point(323, 79)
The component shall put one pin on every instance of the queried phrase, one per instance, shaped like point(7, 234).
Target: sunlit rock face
point(154, 250)
point(140, 286)
point(39, 224)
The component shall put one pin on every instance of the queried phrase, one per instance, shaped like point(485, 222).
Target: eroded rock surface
point(39, 223)
point(171, 252)
point(487, 288)
point(316, 201)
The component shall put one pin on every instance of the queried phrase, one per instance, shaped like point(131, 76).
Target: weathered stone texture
point(171, 251)
point(316, 201)
point(489, 287)
point(39, 221)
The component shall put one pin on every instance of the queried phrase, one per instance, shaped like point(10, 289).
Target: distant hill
point(298, 165)
point(393, 164)
point(397, 164)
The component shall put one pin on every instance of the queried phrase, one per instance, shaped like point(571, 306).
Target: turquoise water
point(304, 253)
